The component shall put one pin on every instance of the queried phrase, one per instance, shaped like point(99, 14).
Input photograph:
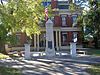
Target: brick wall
point(23, 38)
point(79, 38)
point(69, 39)
point(69, 20)
point(53, 4)
point(57, 21)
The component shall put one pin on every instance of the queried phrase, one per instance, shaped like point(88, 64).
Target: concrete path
point(58, 65)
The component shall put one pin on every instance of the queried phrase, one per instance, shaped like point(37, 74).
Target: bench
point(82, 51)
point(37, 53)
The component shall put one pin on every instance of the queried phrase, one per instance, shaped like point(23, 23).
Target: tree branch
point(2, 2)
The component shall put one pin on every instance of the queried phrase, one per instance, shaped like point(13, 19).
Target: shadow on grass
point(2, 56)
point(9, 71)
point(94, 70)
point(95, 52)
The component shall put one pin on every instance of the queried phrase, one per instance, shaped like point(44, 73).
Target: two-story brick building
point(65, 28)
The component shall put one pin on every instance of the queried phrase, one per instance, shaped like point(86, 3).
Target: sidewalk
point(58, 65)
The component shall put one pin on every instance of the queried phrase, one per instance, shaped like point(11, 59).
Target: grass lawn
point(6, 70)
point(94, 52)
point(2, 56)
point(94, 70)
point(9, 71)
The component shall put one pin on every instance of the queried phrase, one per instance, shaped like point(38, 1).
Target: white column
point(73, 49)
point(57, 40)
point(27, 51)
point(37, 42)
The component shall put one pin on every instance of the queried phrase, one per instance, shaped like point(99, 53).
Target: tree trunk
point(2, 48)
point(96, 42)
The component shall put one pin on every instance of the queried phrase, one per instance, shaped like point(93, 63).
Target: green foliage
point(9, 71)
point(2, 56)
point(90, 20)
point(94, 70)
point(95, 52)
point(27, 14)
point(73, 7)
point(20, 15)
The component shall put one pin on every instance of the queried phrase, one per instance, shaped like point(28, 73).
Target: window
point(64, 39)
point(18, 39)
point(46, 2)
point(74, 18)
point(74, 36)
point(63, 20)
point(63, 4)
point(77, 1)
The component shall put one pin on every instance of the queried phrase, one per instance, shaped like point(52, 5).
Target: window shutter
point(70, 21)
point(69, 37)
point(57, 21)
point(66, 20)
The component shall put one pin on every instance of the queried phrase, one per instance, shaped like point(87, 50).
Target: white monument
point(27, 51)
point(50, 50)
point(73, 49)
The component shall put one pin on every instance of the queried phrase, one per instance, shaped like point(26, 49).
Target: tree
point(91, 21)
point(19, 15)
point(95, 21)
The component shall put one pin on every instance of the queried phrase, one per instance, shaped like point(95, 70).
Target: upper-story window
point(74, 18)
point(63, 20)
point(63, 4)
point(76, 1)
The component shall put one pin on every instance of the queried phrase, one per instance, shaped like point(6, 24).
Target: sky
point(4, 1)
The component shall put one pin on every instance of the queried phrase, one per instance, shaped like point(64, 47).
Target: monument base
point(27, 52)
point(73, 49)
point(50, 52)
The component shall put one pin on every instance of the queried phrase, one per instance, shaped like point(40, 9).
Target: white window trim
point(74, 22)
point(63, 20)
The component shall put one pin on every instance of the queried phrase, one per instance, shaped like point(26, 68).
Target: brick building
point(65, 28)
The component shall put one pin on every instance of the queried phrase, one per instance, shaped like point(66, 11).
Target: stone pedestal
point(27, 51)
point(73, 49)
point(6, 46)
point(50, 50)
